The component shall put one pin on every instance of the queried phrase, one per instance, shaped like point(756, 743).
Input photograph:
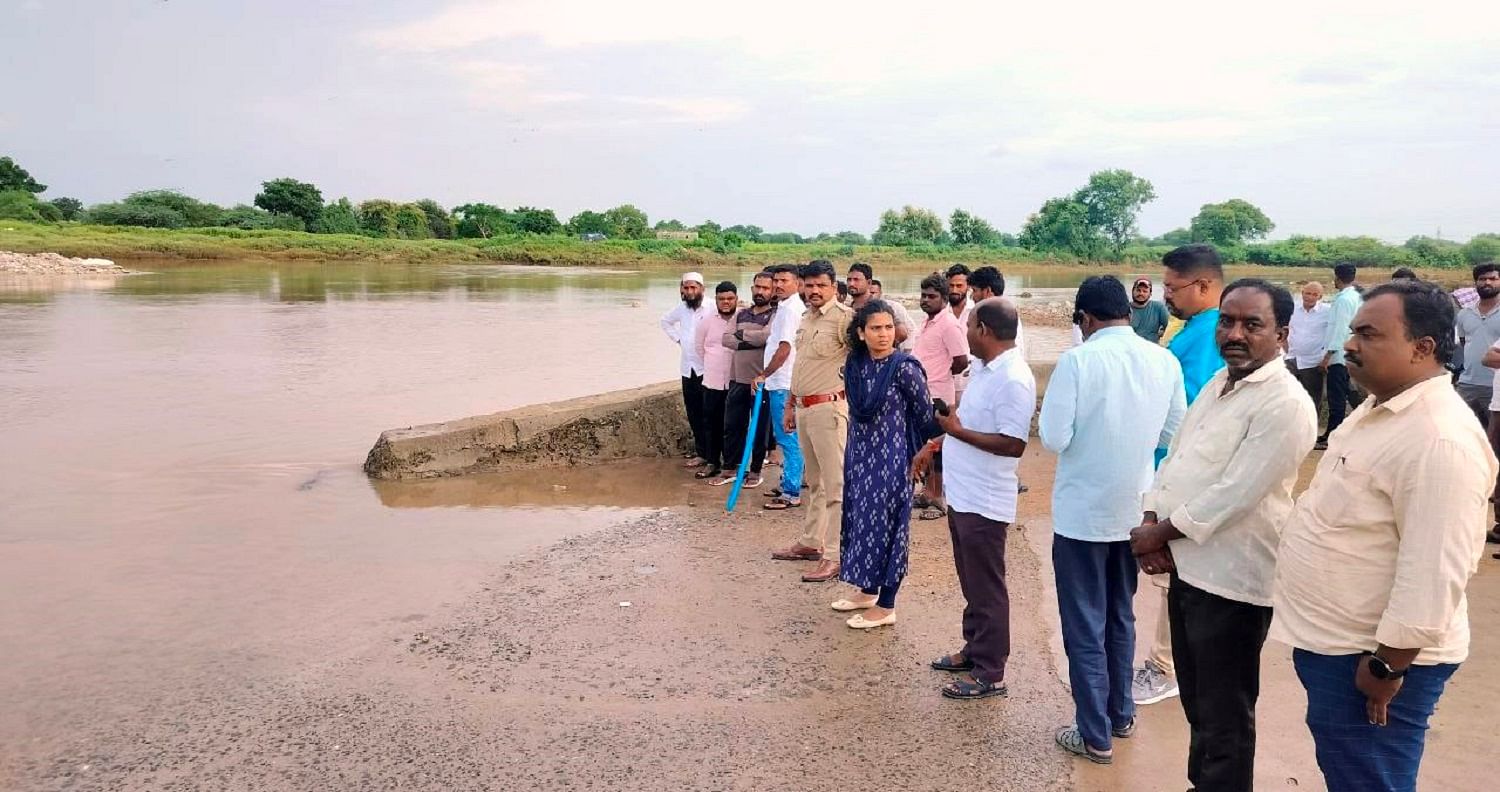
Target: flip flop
point(775, 492)
point(721, 481)
point(752, 483)
point(708, 474)
point(782, 504)
point(930, 513)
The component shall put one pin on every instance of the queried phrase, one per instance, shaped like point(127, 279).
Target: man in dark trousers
point(748, 336)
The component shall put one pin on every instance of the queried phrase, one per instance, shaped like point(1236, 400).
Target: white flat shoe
point(844, 606)
point(859, 622)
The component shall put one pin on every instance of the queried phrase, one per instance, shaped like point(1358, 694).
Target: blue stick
point(739, 477)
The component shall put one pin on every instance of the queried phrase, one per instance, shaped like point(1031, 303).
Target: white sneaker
point(1152, 684)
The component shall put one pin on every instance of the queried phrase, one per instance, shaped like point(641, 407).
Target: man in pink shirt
point(716, 359)
point(943, 350)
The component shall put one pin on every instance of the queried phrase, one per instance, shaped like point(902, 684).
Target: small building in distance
point(680, 236)
point(593, 237)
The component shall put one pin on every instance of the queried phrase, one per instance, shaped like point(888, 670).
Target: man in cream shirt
point(1373, 562)
point(1213, 513)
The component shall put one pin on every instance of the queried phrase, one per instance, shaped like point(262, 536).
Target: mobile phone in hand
point(940, 407)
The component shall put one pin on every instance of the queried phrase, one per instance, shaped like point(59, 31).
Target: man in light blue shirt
point(1110, 404)
point(1340, 395)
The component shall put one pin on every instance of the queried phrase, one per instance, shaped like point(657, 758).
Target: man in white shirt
point(681, 324)
point(781, 356)
point(1304, 345)
point(1111, 403)
point(1212, 519)
point(984, 441)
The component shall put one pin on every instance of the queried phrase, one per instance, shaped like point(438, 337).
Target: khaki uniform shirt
point(822, 346)
point(1380, 547)
point(1227, 482)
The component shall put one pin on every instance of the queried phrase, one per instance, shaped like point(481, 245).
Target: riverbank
point(50, 264)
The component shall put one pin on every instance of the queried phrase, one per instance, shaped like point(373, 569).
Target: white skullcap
point(695, 277)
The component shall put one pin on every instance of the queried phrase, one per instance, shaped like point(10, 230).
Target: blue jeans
point(791, 452)
point(1095, 588)
point(1353, 755)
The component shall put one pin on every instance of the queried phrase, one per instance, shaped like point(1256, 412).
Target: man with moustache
point(679, 324)
point(781, 356)
point(1304, 343)
point(1211, 520)
point(1192, 283)
point(747, 337)
point(943, 350)
point(718, 360)
point(1478, 330)
point(863, 290)
point(1373, 563)
point(986, 282)
point(1148, 318)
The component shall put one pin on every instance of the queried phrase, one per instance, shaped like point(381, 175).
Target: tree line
point(1095, 222)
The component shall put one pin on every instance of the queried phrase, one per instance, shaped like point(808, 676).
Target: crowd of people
point(1180, 427)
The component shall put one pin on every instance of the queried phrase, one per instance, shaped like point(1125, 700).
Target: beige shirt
point(822, 346)
point(1227, 481)
point(1380, 547)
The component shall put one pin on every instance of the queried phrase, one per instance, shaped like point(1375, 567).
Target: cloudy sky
point(1335, 117)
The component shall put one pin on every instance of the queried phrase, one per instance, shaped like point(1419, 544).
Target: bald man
point(1304, 346)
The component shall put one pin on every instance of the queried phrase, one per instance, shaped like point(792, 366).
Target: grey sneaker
point(1152, 684)
point(1071, 740)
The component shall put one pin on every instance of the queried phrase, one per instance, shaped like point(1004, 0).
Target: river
point(180, 487)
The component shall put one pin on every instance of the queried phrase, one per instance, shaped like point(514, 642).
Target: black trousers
point(1216, 645)
point(1311, 380)
point(692, 399)
point(713, 425)
point(979, 558)
point(737, 424)
point(1341, 396)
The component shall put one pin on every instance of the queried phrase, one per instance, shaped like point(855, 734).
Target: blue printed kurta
point(877, 462)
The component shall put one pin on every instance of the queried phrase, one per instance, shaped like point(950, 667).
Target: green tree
point(291, 197)
point(1113, 198)
point(751, 233)
point(195, 213)
point(669, 225)
point(1482, 248)
point(377, 218)
point(67, 207)
point(912, 225)
point(532, 220)
point(250, 217)
point(125, 213)
point(482, 221)
point(708, 227)
point(627, 222)
point(1430, 252)
point(338, 217)
point(969, 229)
point(589, 222)
point(14, 178)
point(1230, 223)
point(1062, 226)
point(1177, 237)
point(23, 205)
point(782, 238)
point(411, 222)
point(439, 222)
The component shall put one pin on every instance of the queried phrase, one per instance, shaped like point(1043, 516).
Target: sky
point(1334, 117)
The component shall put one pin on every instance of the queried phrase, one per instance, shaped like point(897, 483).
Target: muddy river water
point(180, 490)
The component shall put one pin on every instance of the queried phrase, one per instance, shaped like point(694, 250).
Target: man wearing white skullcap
point(680, 324)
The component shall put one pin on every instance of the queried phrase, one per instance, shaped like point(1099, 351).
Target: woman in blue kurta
point(890, 417)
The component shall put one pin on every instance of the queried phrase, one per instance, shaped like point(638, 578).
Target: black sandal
point(708, 473)
point(945, 663)
point(973, 689)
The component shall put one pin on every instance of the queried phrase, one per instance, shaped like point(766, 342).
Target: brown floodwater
point(180, 485)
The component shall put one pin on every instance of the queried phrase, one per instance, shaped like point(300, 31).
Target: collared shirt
point(1227, 482)
point(822, 346)
point(748, 349)
point(1345, 306)
point(1381, 545)
point(1149, 321)
point(1479, 332)
point(1001, 399)
point(1309, 333)
point(717, 358)
point(1197, 351)
point(1111, 402)
point(941, 340)
point(679, 324)
point(784, 328)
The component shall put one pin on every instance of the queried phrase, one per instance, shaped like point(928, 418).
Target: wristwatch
point(1380, 669)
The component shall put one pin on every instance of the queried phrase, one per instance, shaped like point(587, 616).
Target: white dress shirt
point(1001, 399)
point(681, 325)
point(1309, 332)
point(1110, 404)
point(784, 328)
point(1227, 482)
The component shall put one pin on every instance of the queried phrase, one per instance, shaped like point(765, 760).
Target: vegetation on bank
point(289, 219)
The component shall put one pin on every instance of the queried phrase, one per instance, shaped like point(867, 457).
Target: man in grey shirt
point(1478, 329)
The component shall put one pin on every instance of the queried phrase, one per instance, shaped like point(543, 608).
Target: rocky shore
point(54, 264)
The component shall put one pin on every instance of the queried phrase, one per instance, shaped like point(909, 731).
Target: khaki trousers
point(1161, 645)
point(822, 431)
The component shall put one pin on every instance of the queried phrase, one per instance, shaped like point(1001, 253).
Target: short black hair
point(935, 282)
point(843, 287)
point(1484, 268)
point(876, 282)
point(777, 269)
point(1344, 272)
point(820, 267)
point(999, 316)
point(1198, 259)
point(763, 274)
point(1429, 312)
point(726, 286)
point(863, 269)
point(1103, 297)
point(1404, 273)
point(1281, 300)
point(958, 269)
point(987, 278)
